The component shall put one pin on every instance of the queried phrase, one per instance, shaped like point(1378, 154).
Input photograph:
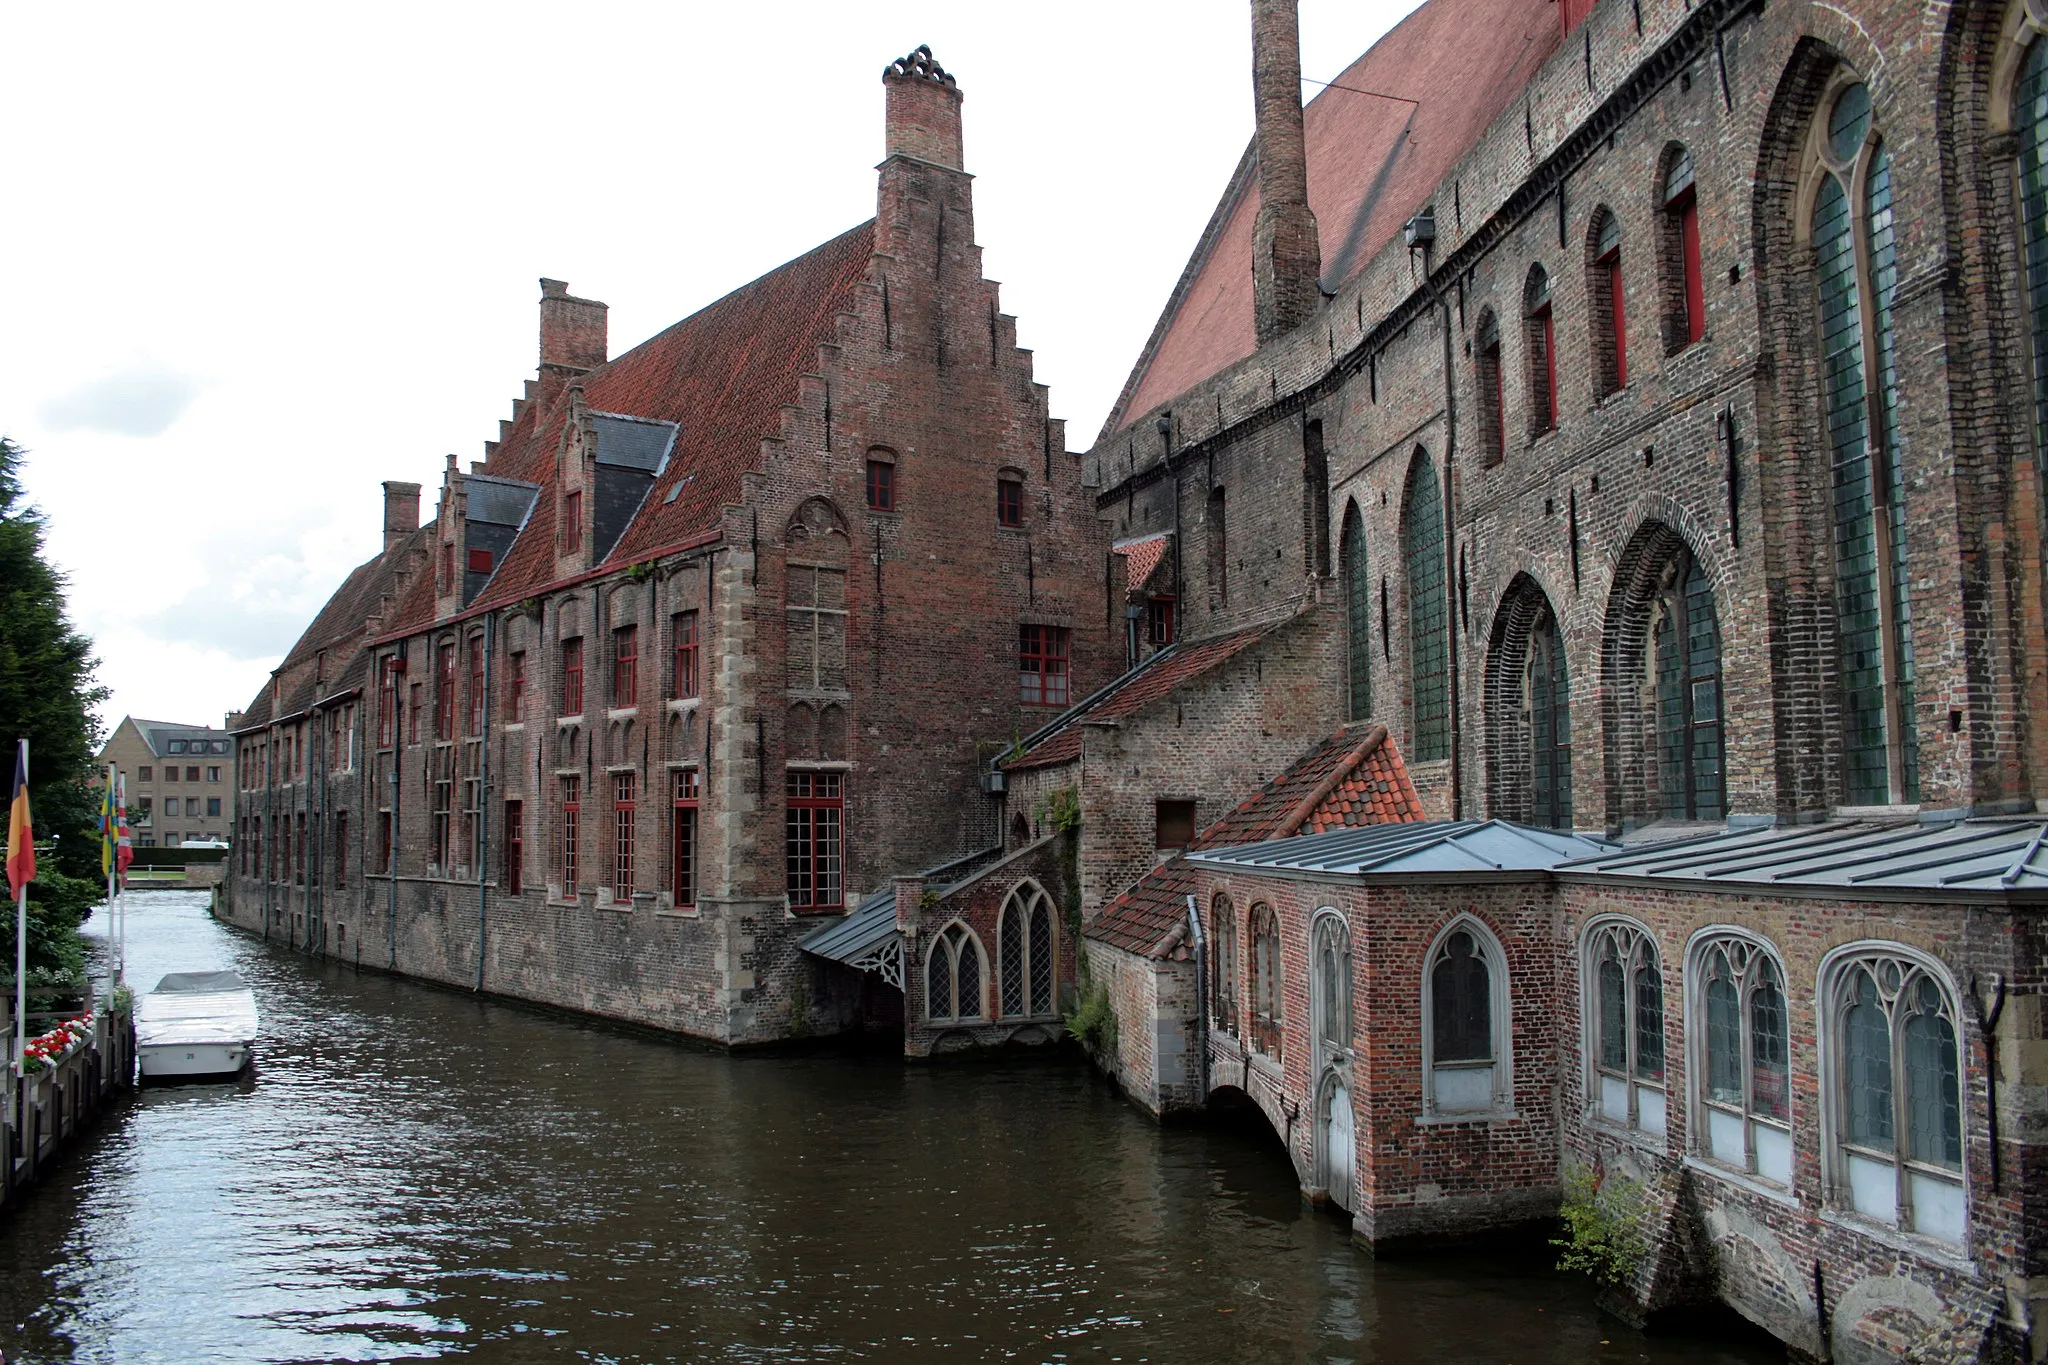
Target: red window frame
point(572, 816)
point(572, 677)
point(1686, 206)
point(1009, 502)
point(387, 701)
point(444, 692)
point(1042, 663)
point(881, 486)
point(625, 809)
point(683, 837)
point(476, 685)
point(416, 698)
point(684, 675)
point(1159, 621)
point(480, 561)
point(515, 847)
point(572, 522)
point(814, 840)
point(626, 666)
point(515, 686)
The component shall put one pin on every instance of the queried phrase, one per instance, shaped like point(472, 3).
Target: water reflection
point(415, 1173)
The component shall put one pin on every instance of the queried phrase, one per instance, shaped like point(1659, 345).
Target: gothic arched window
point(1550, 728)
point(1685, 300)
point(1465, 1022)
point(1026, 952)
point(1539, 332)
point(1269, 1001)
point(1685, 671)
point(1857, 269)
point(1422, 550)
point(1357, 626)
point(1606, 304)
point(2030, 121)
point(1742, 1090)
point(1493, 421)
point(1626, 984)
point(953, 976)
point(1223, 964)
point(1333, 984)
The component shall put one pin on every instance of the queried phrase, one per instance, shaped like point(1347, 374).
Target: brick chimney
point(572, 330)
point(924, 110)
point(1287, 255)
point(401, 511)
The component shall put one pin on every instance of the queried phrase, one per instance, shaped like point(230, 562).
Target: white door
point(1339, 1149)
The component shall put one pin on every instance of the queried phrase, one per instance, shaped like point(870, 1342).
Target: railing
point(45, 1109)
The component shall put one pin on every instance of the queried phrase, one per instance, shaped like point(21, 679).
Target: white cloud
point(140, 400)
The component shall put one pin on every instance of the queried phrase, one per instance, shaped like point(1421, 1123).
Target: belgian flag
point(21, 843)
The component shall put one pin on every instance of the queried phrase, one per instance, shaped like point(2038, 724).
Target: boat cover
point(196, 1007)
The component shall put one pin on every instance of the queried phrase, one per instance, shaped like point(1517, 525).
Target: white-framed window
point(1268, 998)
point(1740, 1035)
point(1026, 953)
point(1892, 1067)
point(1624, 995)
point(1467, 1062)
point(953, 975)
point(1331, 939)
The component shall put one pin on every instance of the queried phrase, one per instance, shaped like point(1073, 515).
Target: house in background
point(181, 785)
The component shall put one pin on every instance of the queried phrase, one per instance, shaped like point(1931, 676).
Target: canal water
point(414, 1173)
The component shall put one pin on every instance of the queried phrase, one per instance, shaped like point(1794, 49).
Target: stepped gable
point(1147, 683)
point(1353, 778)
point(1372, 162)
point(722, 375)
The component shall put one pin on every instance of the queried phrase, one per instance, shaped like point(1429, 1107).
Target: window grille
point(1550, 727)
point(572, 812)
point(816, 806)
point(1223, 964)
point(1422, 547)
point(626, 666)
point(1025, 953)
point(683, 836)
point(1628, 989)
point(1269, 1009)
point(1743, 1092)
point(815, 613)
point(1333, 985)
point(624, 810)
point(881, 486)
point(1357, 623)
point(1042, 665)
point(1685, 646)
point(953, 976)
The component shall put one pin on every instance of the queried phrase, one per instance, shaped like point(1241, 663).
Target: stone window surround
point(1501, 1004)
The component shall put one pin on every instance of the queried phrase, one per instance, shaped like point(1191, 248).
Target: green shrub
point(1603, 1226)
point(1093, 1019)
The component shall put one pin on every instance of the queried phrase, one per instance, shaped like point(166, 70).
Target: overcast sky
point(262, 257)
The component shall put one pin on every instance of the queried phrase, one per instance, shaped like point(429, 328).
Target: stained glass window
point(1422, 547)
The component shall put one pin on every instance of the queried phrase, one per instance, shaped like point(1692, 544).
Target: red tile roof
point(1355, 777)
point(1142, 559)
point(1158, 676)
point(1372, 162)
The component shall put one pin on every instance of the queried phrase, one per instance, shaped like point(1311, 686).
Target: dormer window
point(572, 522)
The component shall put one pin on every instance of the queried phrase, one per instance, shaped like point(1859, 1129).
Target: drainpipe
point(483, 802)
point(1201, 997)
point(397, 788)
point(1164, 426)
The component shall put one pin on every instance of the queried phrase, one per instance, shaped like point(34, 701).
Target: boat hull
point(163, 1061)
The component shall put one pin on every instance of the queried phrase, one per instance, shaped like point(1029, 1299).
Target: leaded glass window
point(1627, 979)
point(1857, 269)
point(1333, 984)
point(1422, 548)
point(1223, 964)
point(1026, 952)
point(1744, 1100)
point(1465, 1008)
point(953, 976)
point(1685, 665)
point(2030, 120)
point(1357, 625)
point(1897, 1108)
point(1550, 727)
point(1269, 1010)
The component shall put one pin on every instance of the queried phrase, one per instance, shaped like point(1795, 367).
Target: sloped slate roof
point(1433, 848)
point(1374, 158)
point(1147, 683)
point(872, 924)
point(1353, 778)
point(2000, 856)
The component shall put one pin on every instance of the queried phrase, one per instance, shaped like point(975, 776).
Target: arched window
point(1027, 952)
point(1357, 626)
point(1857, 268)
point(1742, 1073)
point(1493, 418)
point(1685, 298)
point(1333, 986)
point(1466, 1040)
point(953, 975)
point(1216, 545)
point(2030, 121)
point(1269, 1007)
point(1685, 671)
point(1626, 1006)
point(1223, 966)
point(1315, 498)
point(1528, 711)
point(1605, 304)
point(1422, 549)
point(1895, 1089)
point(1550, 728)
point(1539, 330)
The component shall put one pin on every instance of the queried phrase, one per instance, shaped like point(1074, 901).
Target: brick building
point(180, 783)
point(1641, 405)
point(716, 638)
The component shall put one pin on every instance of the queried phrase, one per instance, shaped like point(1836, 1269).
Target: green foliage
point(641, 572)
point(1061, 809)
point(1093, 1019)
point(47, 695)
point(1603, 1226)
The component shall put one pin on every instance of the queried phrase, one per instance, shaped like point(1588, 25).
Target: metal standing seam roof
point(873, 922)
point(1437, 847)
point(1985, 855)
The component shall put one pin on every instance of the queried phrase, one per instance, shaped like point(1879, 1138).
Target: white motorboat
point(195, 1024)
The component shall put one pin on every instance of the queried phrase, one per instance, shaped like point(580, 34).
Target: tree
point(47, 695)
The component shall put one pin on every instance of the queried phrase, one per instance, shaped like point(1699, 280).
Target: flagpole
point(107, 856)
point(21, 952)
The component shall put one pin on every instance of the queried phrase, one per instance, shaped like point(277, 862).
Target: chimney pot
point(401, 511)
point(924, 110)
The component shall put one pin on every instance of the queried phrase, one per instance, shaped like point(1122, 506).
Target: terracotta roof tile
point(1372, 162)
point(1142, 559)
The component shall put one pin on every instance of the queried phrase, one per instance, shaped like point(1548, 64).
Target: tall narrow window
point(415, 705)
point(1315, 494)
point(1422, 549)
point(1493, 411)
point(2030, 121)
point(1685, 647)
point(881, 485)
point(515, 687)
point(1025, 953)
point(383, 842)
point(1332, 955)
point(815, 616)
point(1216, 546)
point(1009, 502)
point(953, 976)
point(684, 674)
point(444, 795)
point(444, 692)
point(1269, 1007)
point(572, 832)
point(572, 522)
point(1466, 1009)
point(1743, 1095)
point(1606, 305)
point(816, 813)
point(1685, 299)
point(1357, 622)
point(341, 848)
point(1626, 983)
point(1042, 665)
point(1223, 965)
point(572, 677)
point(625, 809)
point(1549, 690)
point(476, 685)
point(387, 704)
point(1159, 621)
point(683, 838)
point(1896, 1114)
point(1539, 329)
point(1858, 271)
point(626, 666)
point(512, 878)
